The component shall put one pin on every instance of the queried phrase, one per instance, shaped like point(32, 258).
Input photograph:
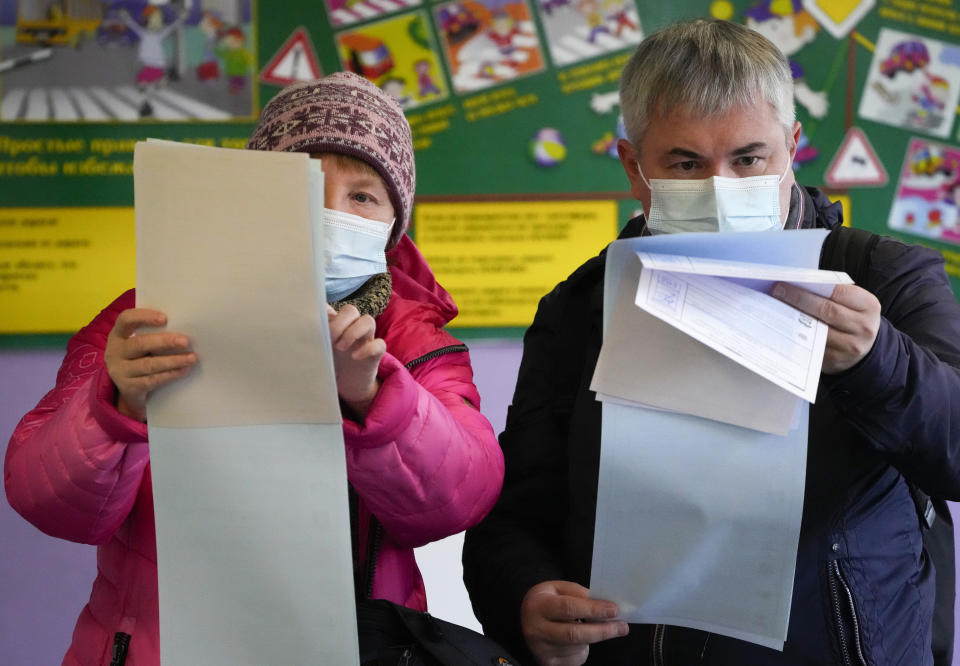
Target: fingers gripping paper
point(247, 456)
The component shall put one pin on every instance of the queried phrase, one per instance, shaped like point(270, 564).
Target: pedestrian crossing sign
point(295, 61)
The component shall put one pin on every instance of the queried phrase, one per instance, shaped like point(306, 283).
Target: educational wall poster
point(509, 102)
point(398, 55)
point(582, 29)
point(127, 61)
point(914, 83)
point(927, 201)
point(488, 42)
point(345, 12)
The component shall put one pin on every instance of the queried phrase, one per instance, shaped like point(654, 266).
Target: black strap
point(849, 250)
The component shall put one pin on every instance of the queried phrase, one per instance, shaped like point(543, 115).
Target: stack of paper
point(705, 380)
point(247, 456)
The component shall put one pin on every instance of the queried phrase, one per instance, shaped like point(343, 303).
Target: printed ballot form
point(706, 382)
point(247, 456)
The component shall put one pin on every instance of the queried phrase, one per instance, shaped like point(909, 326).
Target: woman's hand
point(138, 364)
point(356, 357)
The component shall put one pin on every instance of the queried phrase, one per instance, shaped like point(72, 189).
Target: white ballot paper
point(698, 518)
point(247, 455)
point(726, 305)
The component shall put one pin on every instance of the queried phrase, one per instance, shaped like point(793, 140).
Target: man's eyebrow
point(683, 152)
point(749, 148)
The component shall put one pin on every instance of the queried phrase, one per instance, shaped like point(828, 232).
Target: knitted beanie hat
point(346, 114)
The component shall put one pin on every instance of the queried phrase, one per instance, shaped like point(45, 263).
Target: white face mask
point(354, 251)
point(714, 204)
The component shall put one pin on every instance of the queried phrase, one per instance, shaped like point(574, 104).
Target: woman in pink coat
point(422, 462)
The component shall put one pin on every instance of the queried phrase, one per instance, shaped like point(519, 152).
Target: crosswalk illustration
point(361, 10)
point(577, 45)
point(100, 103)
point(482, 64)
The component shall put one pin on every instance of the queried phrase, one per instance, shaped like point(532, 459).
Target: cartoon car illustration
point(905, 57)
point(367, 56)
point(50, 22)
point(925, 162)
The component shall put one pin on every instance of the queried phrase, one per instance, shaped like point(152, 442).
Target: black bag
point(847, 249)
point(391, 635)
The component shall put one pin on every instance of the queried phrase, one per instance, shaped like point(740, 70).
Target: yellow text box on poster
point(60, 266)
point(498, 259)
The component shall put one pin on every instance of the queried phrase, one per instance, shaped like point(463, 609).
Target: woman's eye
point(361, 197)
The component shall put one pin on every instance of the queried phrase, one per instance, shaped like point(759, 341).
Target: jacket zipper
point(375, 534)
point(449, 349)
point(121, 645)
point(838, 584)
point(658, 631)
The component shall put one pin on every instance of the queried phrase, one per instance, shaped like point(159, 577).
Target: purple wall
point(44, 582)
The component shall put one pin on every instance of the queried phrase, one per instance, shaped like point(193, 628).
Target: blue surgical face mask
point(714, 204)
point(354, 251)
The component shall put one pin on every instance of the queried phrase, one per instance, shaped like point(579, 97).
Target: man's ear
point(628, 158)
point(794, 139)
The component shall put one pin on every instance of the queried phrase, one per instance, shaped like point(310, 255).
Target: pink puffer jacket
point(79, 470)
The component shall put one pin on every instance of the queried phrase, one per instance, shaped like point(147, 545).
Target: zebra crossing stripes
point(62, 106)
point(114, 104)
point(575, 46)
point(11, 103)
point(88, 108)
point(97, 103)
point(366, 9)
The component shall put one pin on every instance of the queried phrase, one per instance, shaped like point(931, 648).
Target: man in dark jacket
point(705, 99)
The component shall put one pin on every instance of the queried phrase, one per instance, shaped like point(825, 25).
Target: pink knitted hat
point(346, 114)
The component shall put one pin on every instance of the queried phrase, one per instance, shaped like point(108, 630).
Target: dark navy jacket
point(863, 591)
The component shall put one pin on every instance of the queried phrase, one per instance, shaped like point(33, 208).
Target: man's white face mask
point(714, 204)
point(354, 251)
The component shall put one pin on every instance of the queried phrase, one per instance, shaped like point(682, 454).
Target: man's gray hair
point(707, 67)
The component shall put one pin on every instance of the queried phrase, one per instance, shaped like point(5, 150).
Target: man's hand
point(356, 357)
point(560, 621)
point(853, 315)
point(138, 364)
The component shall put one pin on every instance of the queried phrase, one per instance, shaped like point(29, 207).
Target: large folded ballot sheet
point(703, 459)
point(247, 456)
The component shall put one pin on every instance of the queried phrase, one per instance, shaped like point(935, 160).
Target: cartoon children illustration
point(396, 87)
point(503, 29)
point(152, 55)
point(590, 9)
point(425, 83)
point(209, 25)
point(618, 16)
point(236, 59)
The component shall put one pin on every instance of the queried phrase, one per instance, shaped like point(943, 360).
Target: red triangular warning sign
point(295, 61)
point(855, 164)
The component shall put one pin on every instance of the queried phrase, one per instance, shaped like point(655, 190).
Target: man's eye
point(689, 165)
point(749, 160)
